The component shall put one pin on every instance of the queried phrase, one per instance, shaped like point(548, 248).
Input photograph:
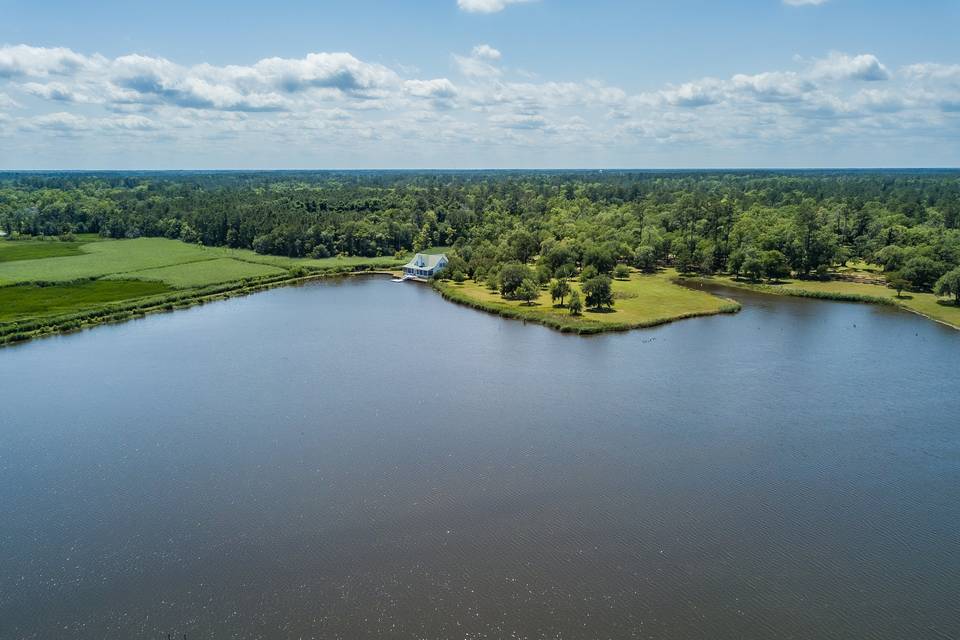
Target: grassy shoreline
point(643, 301)
point(49, 287)
point(22, 331)
point(922, 304)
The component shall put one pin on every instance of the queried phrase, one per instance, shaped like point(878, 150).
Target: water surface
point(363, 459)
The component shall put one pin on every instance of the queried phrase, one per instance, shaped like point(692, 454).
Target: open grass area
point(93, 279)
point(35, 250)
point(30, 301)
point(927, 304)
point(642, 301)
point(120, 257)
point(204, 272)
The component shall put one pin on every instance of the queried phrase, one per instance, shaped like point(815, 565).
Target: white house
point(425, 265)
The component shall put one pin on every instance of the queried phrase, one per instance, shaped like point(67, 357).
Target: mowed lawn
point(202, 273)
point(117, 257)
point(96, 272)
point(30, 301)
point(643, 300)
point(37, 249)
point(928, 304)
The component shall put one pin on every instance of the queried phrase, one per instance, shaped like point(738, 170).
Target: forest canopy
point(758, 223)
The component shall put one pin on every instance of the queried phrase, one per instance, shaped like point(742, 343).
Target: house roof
point(425, 261)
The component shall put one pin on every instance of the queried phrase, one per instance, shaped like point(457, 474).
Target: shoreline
point(861, 298)
point(576, 323)
point(19, 332)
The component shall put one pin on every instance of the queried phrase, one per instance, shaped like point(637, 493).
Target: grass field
point(642, 301)
point(118, 257)
point(92, 275)
point(35, 250)
point(202, 273)
point(29, 301)
point(926, 304)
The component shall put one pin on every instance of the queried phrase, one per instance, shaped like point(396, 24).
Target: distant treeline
point(759, 223)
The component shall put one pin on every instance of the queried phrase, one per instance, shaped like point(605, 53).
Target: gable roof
point(426, 261)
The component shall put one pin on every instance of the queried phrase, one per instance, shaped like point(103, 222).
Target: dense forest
point(759, 224)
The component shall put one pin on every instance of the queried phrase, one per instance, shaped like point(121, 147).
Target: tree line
point(558, 224)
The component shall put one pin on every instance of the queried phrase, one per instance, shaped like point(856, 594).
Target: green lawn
point(35, 250)
point(642, 301)
point(202, 273)
point(27, 301)
point(928, 304)
point(117, 257)
point(86, 275)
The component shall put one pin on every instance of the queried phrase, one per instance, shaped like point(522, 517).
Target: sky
point(479, 84)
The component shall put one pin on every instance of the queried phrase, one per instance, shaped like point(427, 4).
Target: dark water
point(364, 459)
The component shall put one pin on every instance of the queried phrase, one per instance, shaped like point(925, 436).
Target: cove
point(359, 459)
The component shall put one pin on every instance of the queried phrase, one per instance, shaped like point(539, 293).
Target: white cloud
point(693, 94)
point(486, 6)
point(438, 88)
point(338, 102)
point(6, 102)
point(57, 91)
point(485, 52)
point(24, 60)
point(804, 3)
point(840, 66)
point(480, 62)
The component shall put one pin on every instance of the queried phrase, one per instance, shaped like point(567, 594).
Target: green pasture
point(642, 301)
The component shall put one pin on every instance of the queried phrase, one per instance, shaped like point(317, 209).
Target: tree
point(588, 272)
point(528, 291)
point(599, 257)
point(576, 304)
point(493, 281)
point(598, 292)
point(559, 289)
point(645, 258)
point(621, 272)
point(511, 277)
point(922, 272)
point(897, 282)
point(949, 285)
point(774, 265)
point(753, 266)
point(735, 262)
point(523, 244)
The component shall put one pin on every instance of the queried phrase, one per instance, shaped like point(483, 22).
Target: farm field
point(48, 281)
point(31, 301)
point(642, 301)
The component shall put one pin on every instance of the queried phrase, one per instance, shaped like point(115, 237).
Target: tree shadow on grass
point(948, 303)
point(602, 310)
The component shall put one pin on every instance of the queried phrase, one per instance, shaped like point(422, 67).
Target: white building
point(425, 265)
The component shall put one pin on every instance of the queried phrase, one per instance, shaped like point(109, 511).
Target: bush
point(621, 272)
point(576, 304)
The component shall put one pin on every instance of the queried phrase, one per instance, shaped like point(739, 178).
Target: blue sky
point(479, 83)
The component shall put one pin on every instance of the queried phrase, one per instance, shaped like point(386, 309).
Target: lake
point(360, 458)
